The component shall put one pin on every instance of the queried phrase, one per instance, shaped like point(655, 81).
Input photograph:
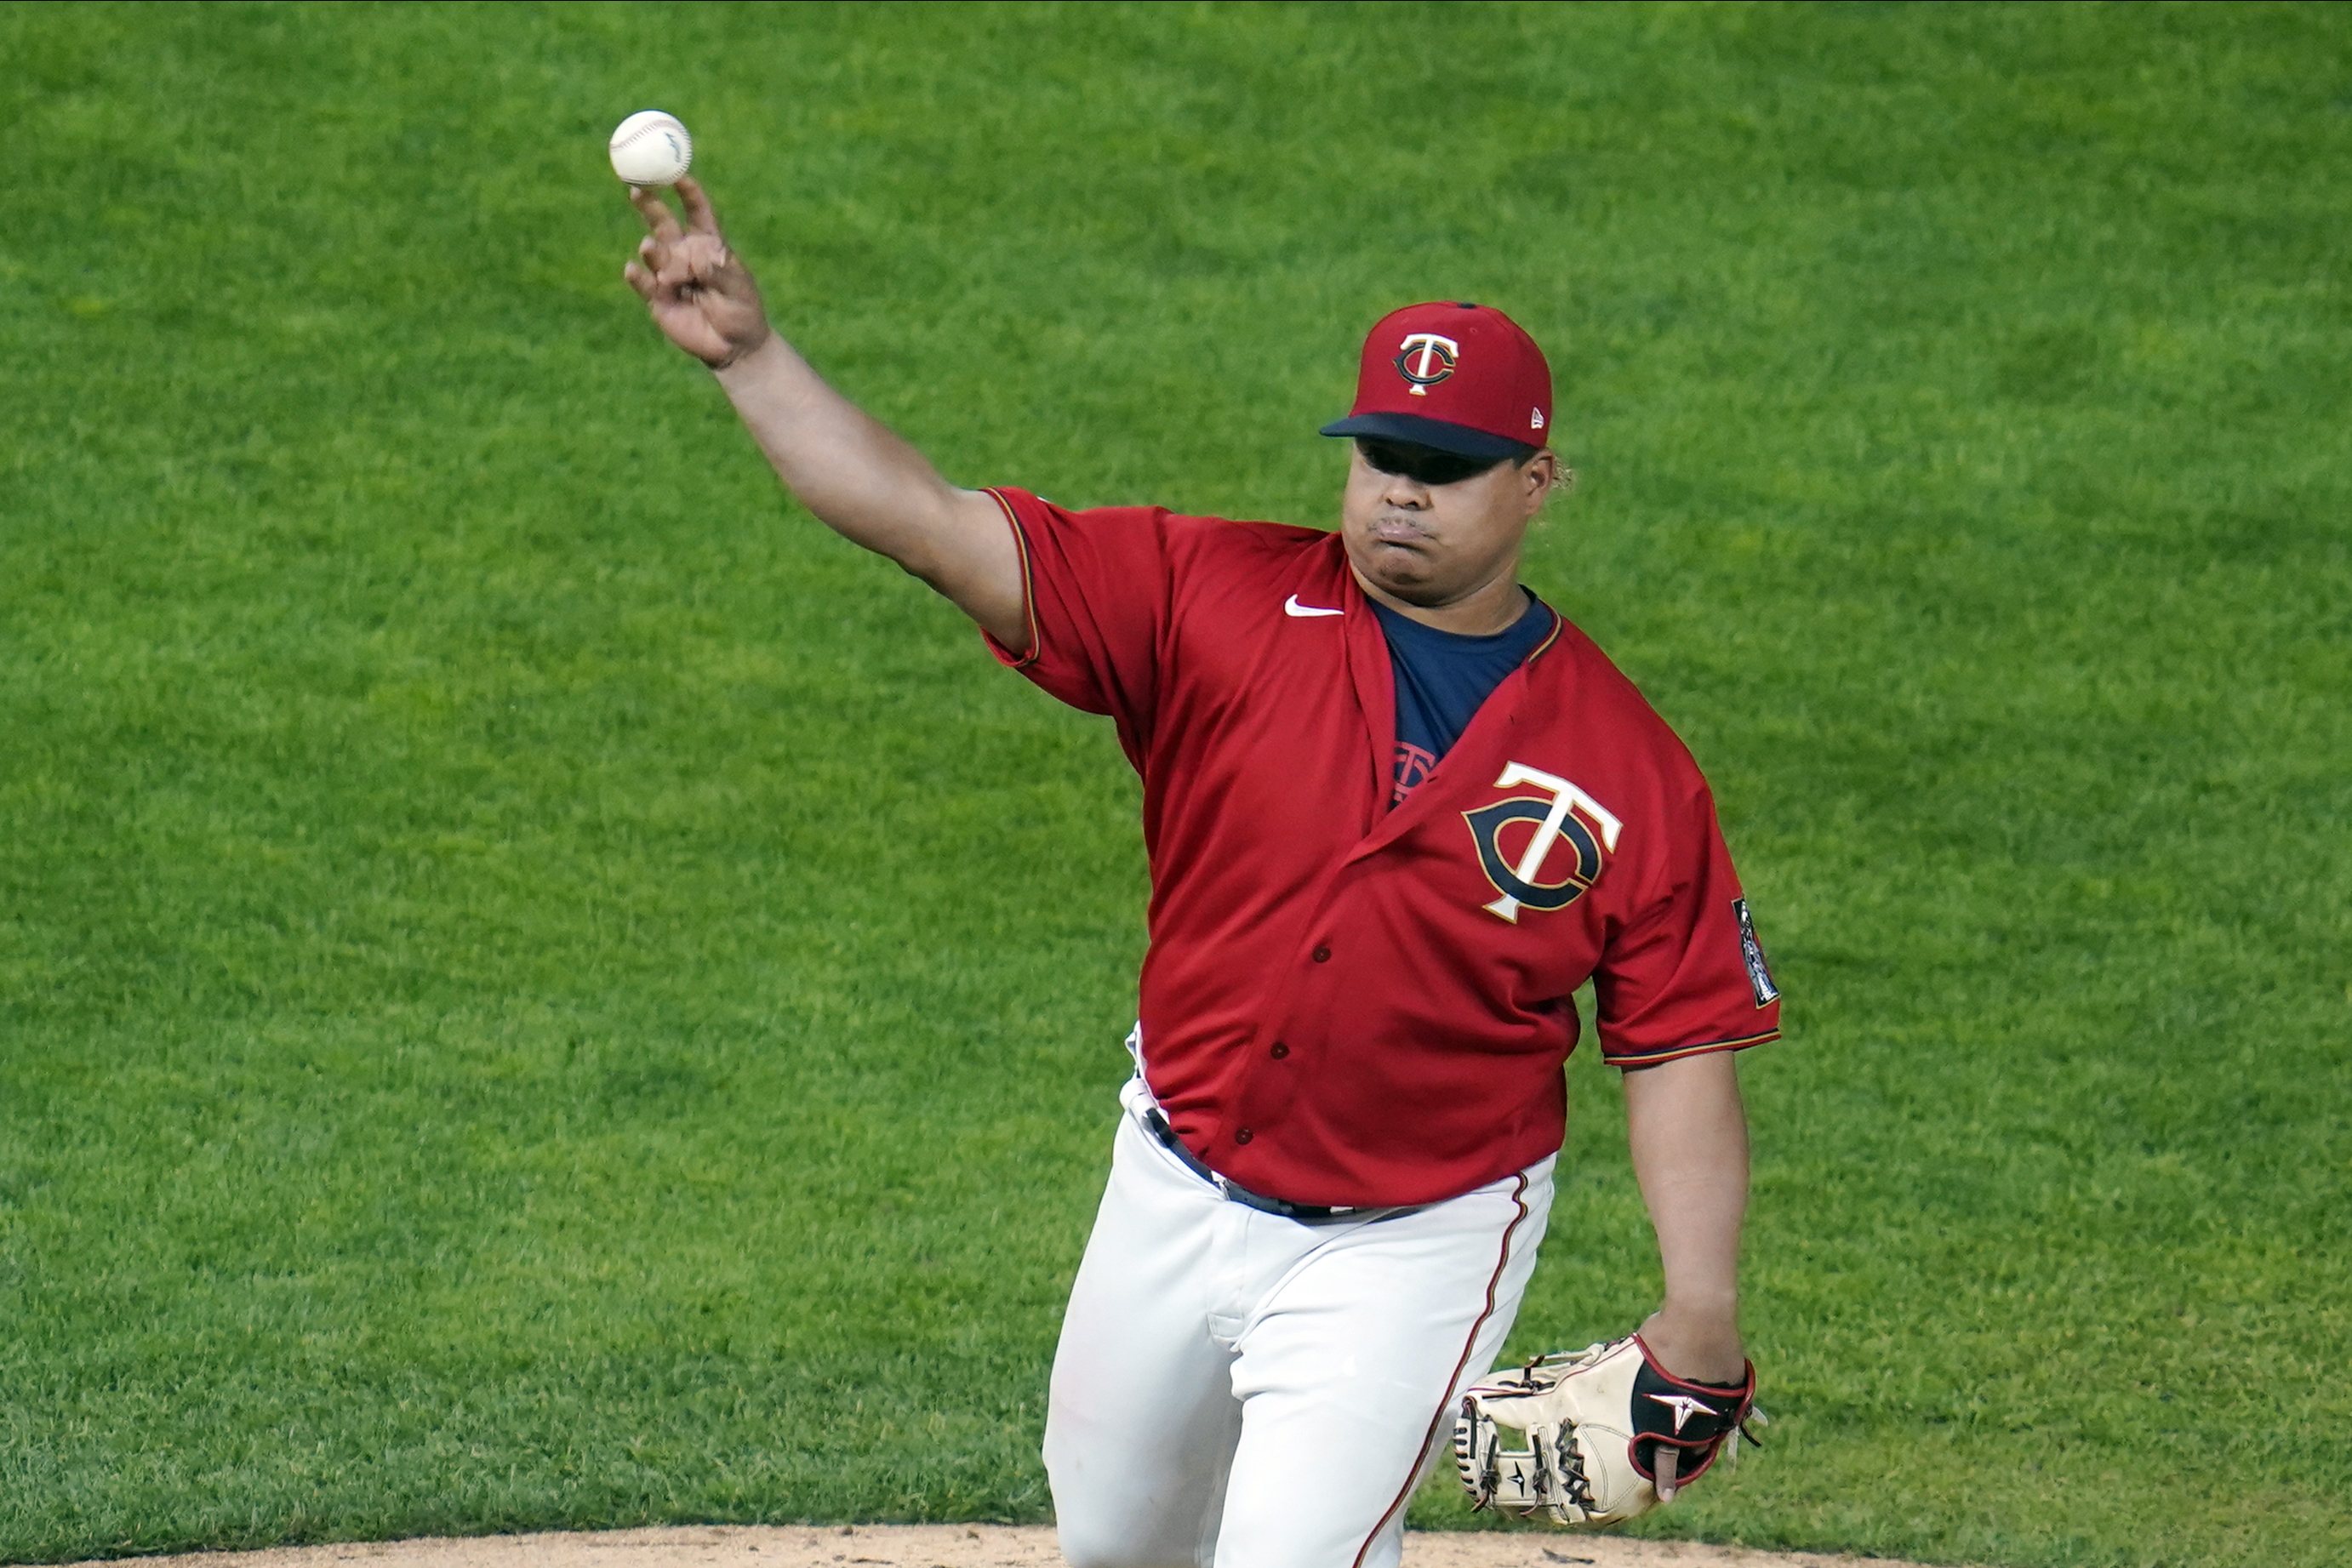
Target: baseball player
point(1397, 811)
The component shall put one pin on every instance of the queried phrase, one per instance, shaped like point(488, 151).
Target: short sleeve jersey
point(1349, 999)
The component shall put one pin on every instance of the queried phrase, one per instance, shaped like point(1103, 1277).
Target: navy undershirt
point(1441, 678)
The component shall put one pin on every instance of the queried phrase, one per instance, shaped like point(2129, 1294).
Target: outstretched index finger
point(659, 220)
point(699, 218)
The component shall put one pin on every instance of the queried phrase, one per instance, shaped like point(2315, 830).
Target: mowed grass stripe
point(538, 988)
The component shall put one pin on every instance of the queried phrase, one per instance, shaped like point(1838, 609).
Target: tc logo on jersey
point(1431, 364)
point(1563, 814)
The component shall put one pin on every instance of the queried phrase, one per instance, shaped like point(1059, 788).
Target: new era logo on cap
point(1460, 377)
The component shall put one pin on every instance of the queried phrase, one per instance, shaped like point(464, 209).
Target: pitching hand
point(700, 294)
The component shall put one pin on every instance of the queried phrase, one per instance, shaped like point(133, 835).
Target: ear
point(1536, 479)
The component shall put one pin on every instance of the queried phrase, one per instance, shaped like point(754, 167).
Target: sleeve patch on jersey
point(1751, 952)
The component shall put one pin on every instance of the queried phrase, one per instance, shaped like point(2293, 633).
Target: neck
point(1491, 607)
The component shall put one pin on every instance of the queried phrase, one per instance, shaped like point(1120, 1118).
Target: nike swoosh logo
point(1291, 606)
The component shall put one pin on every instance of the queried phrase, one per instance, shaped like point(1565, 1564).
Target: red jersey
point(1343, 1002)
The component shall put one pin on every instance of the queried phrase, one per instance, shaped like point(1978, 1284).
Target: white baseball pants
point(1238, 1390)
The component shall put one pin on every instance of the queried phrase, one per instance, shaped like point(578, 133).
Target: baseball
point(651, 147)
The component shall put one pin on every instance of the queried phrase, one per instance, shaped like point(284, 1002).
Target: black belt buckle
point(1305, 1213)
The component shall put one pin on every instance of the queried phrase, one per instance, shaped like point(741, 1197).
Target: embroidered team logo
point(1413, 766)
point(1563, 816)
point(1426, 359)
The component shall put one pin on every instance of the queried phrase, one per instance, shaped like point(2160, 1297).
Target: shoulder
point(1246, 548)
point(1575, 666)
point(1183, 539)
point(1212, 538)
point(1028, 506)
point(1579, 687)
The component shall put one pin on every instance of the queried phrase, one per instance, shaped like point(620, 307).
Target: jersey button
point(1244, 1137)
point(1279, 1051)
point(1322, 955)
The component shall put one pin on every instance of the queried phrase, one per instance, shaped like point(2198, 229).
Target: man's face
point(1439, 539)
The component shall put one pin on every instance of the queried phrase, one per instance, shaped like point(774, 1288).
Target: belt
point(1305, 1213)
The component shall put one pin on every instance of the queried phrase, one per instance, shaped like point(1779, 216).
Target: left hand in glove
point(1609, 1432)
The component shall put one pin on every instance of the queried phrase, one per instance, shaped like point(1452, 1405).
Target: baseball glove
point(1609, 1433)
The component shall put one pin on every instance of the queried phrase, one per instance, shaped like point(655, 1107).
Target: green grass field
point(540, 989)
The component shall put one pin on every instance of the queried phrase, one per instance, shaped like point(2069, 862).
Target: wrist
point(1700, 1344)
point(1715, 1308)
point(741, 355)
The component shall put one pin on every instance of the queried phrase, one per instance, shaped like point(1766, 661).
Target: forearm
point(859, 479)
point(852, 471)
point(1689, 1135)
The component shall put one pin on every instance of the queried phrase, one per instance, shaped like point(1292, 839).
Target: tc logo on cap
point(1457, 376)
point(1431, 365)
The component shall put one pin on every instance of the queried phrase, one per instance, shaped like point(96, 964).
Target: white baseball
point(651, 147)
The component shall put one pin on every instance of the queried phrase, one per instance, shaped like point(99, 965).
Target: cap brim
point(1459, 439)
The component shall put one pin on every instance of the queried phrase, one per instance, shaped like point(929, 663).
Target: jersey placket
point(1374, 678)
point(1270, 1081)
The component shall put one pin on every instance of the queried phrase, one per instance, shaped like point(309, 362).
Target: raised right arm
point(858, 478)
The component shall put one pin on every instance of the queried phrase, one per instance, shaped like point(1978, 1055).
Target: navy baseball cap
point(1459, 377)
